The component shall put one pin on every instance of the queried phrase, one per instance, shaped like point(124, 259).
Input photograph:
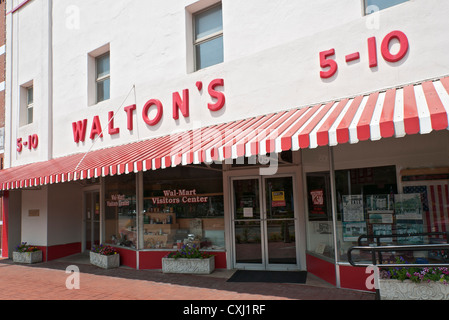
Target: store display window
point(120, 211)
point(183, 205)
point(366, 200)
point(371, 211)
point(320, 224)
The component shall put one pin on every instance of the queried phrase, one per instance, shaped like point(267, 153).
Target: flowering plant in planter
point(24, 247)
point(25, 253)
point(189, 252)
point(104, 250)
point(104, 256)
point(190, 260)
point(416, 274)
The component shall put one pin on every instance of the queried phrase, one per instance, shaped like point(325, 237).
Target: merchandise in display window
point(120, 211)
point(354, 187)
point(183, 205)
point(369, 204)
point(365, 206)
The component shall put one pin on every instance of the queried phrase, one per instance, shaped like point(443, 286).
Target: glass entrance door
point(264, 223)
point(280, 221)
point(92, 219)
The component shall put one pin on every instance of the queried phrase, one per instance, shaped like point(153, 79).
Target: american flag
point(435, 200)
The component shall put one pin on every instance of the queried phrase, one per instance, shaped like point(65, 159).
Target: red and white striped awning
point(412, 109)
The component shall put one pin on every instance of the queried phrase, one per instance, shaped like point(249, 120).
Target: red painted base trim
point(350, 277)
point(354, 278)
point(127, 257)
point(62, 250)
point(44, 252)
point(59, 251)
point(152, 260)
point(322, 269)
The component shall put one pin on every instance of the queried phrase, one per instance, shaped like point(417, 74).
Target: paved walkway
point(47, 281)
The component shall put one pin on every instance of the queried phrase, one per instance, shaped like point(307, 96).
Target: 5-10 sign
point(330, 66)
point(31, 143)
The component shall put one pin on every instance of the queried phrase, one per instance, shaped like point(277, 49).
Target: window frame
point(205, 39)
point(29, 105)
point(102, 79)
point(25, 105)
point(365, 6)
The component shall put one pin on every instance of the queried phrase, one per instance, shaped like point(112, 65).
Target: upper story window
point(30, 104)
point(26, 106)
point(376, 5)
point(208, 37)
point(102, 77)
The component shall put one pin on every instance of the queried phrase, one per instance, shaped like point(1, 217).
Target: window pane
point(383, 4)
point(120, 211)
point(246, 196)
point(209, 53)
point(248, 242)
point(365, 205)
point(30, 115)
point(30, 97)
point(208, 22)
point(103, 90)
point(320, 223)
point(183, 205)
point(103, 66)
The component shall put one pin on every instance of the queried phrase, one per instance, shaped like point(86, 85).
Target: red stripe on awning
point(303, 137)
point(387, 116)
point(438, 113)
point(411, 118)
point(363, 127)
point(343, 128)
point(410, 109)
point(286, 139)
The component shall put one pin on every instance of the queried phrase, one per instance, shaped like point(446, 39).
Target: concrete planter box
point(27, 257)
point(105, 262)
point(408, 290)
point(188, 266)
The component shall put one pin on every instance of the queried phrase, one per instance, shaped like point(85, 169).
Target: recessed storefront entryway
point(264, 223)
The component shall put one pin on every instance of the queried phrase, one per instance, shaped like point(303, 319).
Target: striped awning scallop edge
point(412, 109)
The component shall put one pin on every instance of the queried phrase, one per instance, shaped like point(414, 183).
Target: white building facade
point(272, 133)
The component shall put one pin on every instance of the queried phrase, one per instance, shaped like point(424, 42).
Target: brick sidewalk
point(47, 281)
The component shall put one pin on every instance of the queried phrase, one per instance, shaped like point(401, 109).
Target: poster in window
point(409, 228)
point(408, 206)
point(353, 230)
point(248, 212)
point(383, 230)
point(317, 201)
point(278, 199)
point(379, 202)
point(353, 208)
point(381, 218)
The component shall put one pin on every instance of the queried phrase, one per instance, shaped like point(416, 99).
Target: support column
point(5, 216)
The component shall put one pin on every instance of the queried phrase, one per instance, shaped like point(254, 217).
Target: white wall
point(60, 215)
point(271, 60)
point(34, 228)
point(28, 62)
point(65, 214)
